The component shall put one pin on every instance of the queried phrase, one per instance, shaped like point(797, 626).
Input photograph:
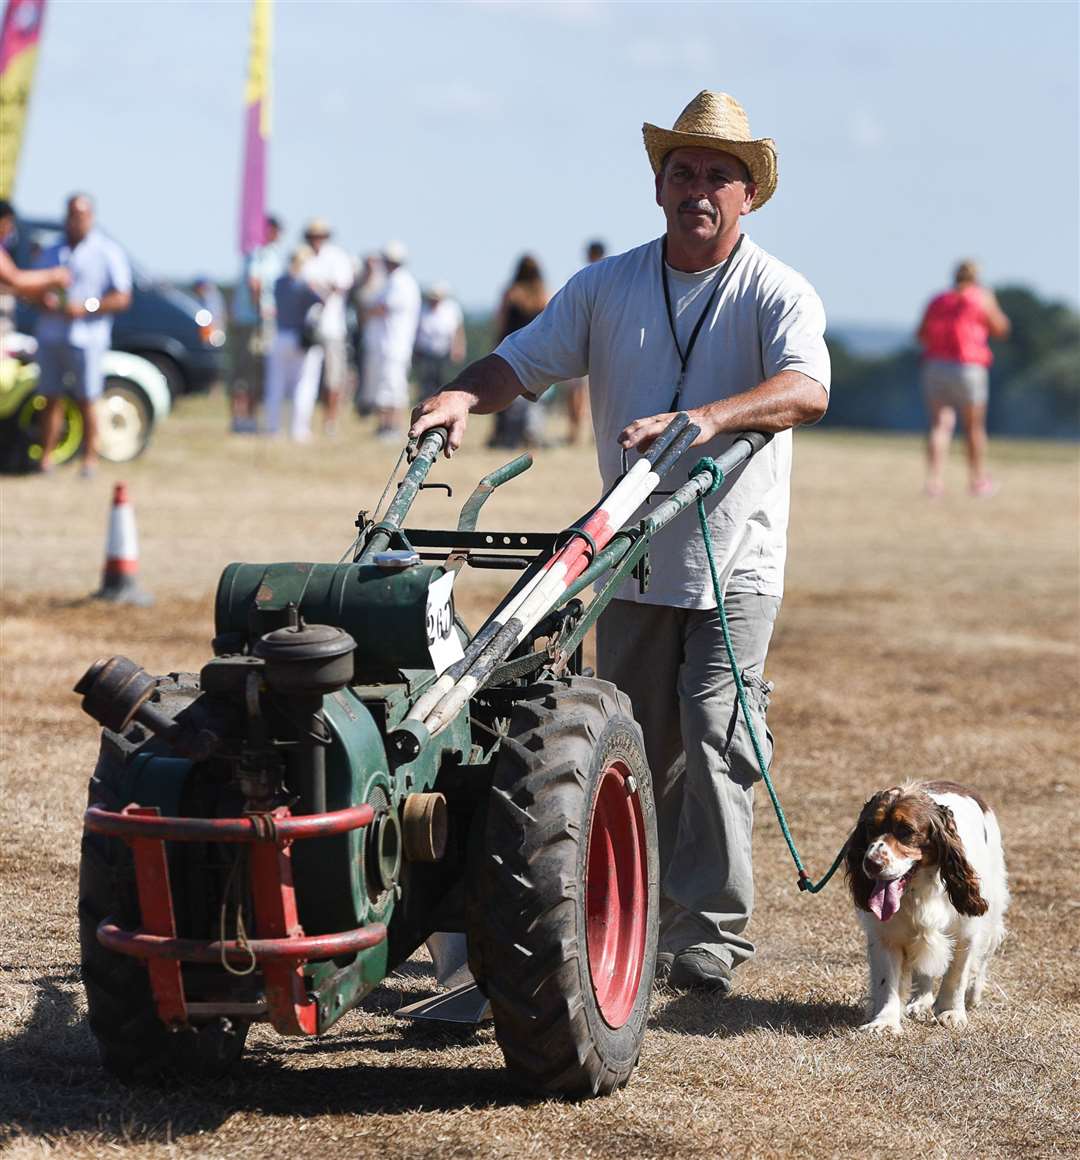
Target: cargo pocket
point(740, 754)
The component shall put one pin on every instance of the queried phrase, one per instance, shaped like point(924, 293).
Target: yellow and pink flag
point(256, 129)
point(19, 37)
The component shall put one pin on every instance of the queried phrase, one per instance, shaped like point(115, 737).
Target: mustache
point(698, 205)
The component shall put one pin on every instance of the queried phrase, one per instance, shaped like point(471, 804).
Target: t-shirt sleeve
point(555, 345)
point(119, 270)
point(793, 335)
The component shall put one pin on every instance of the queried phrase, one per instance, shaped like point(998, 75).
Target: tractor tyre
point(133, 1043)
point(563, 897)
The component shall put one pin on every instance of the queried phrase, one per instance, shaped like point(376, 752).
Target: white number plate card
point(444, 644)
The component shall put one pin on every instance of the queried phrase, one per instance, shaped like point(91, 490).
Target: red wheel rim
point(616, 895)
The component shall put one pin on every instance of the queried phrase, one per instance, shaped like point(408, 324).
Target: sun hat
point(395, 252)
point(717, 121)
point(317, 228)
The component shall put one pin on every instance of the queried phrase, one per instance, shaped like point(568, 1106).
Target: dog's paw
point(955, 1018)
point(919, 1007)
point(882, 1027)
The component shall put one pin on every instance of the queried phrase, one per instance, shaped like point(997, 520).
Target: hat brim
point(758, 156)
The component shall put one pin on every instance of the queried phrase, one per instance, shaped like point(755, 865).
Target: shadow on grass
point(51, 1081)
point(695, 1014)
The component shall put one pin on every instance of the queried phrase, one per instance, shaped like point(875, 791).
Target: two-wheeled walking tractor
point(353, 770)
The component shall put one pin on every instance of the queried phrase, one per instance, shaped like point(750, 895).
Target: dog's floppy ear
point(860, 884)
point(961, 881)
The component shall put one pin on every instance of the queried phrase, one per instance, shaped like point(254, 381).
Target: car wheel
point(170, 368)
point(125, 420)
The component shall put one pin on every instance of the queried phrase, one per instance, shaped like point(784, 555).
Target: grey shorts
point(70, 370)
point(955, 384)
point(335, 365)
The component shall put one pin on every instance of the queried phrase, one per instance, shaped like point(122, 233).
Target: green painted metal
point(157, 780)
point(338, 989)
point(385, 611)
point(470, 510)
point(329, 872)
point(381, 535)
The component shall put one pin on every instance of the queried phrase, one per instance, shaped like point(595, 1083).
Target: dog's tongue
point(885, 898)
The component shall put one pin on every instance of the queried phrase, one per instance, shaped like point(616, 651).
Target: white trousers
point(292, 373)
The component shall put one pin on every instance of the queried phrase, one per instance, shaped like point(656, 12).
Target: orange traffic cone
point(120, 583)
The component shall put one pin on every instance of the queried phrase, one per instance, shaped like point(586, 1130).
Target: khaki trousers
point(672, 664)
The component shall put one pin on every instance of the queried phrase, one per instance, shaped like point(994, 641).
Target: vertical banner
point(18, 54)
point(256, 129)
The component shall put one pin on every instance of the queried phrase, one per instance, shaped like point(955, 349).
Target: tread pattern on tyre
point(133, 1043)
point(527, 942)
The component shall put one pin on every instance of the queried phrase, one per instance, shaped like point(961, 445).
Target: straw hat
point(318, 228)
point(395, 252)
point(717, 121)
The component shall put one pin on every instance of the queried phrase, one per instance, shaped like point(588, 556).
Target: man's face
point(703, 193)
point(80, 218)
point(7, 226)
point(315, 241)
point(273, 232)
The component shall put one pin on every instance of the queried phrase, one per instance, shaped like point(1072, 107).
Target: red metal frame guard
point(280, 946)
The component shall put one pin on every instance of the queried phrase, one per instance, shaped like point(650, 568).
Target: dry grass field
point(916, 639)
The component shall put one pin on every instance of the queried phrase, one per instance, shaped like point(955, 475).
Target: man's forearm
point(491, 383)
point(114, 302)
point(483, 387)
point(789, 399)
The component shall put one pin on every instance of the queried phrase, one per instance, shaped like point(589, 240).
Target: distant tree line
point(1034, 382)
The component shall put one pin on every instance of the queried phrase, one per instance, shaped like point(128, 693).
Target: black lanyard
point(684, 359)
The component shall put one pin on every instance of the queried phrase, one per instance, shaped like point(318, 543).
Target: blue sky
point(909, 134)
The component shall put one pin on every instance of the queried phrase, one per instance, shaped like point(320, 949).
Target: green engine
point(315, 667)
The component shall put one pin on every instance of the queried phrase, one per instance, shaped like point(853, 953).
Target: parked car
point(163, 325)
point(135, 399)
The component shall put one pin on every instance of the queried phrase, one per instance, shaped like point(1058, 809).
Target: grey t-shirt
point(609, 322)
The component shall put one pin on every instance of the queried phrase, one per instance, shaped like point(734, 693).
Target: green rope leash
point(711, 466)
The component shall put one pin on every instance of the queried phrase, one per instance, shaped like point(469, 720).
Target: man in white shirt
point(74, 328)
point(702, 320)
point(330, 273)
point(440, 339)
point(390, 321)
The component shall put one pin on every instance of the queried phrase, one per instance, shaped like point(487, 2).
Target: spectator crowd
point(311, 326)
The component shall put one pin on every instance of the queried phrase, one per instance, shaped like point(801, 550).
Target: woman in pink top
point(955, 333)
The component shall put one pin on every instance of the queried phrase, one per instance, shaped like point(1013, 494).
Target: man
point(330, 273)
point(75, 327)
point(440, 339)
point(756, 361)
point(251, 333)
point(955, 333)
point(390, 321)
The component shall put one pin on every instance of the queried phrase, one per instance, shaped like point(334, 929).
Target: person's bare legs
point(332, 404)
point(942, 425)
point(389, 421)
point(974, 416)
point(90, 434)
point(51, 421)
